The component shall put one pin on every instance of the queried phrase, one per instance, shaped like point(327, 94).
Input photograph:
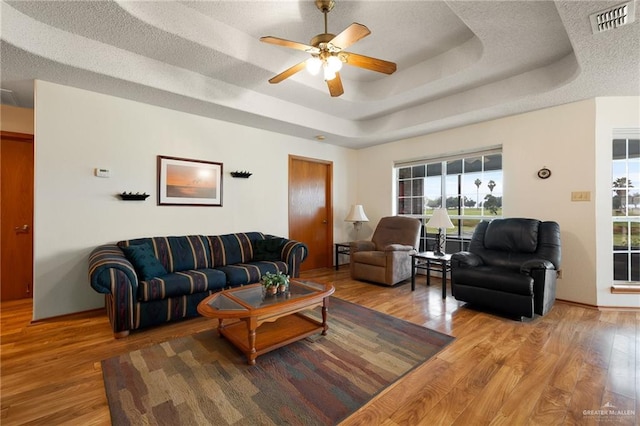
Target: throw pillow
point(144, 261)
point(268, 249)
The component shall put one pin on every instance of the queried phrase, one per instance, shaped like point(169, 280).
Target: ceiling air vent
point(7, 97)
point(613, 17)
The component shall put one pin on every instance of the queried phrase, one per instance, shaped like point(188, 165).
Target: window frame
point(405, 198)
point(625, 220)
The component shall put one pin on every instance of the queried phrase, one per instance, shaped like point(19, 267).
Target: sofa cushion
point(177, 253)
point(160, 248)
point(181, 283)
point(514, 235)
point(189, 252)
point(144, 261)
point(375, 258)
point(247, 273)
point(229, 249)
point(268, 249)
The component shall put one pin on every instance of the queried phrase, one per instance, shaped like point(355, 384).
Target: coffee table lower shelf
point(270, 335)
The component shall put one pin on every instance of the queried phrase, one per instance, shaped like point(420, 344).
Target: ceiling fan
point(327, 53)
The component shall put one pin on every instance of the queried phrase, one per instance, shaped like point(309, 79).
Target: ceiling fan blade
point(288, 72)
point(335, 86)
point(366, 62)
point(350, 35)
point(290, 44)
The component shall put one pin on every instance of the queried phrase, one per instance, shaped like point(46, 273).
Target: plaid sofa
point(192, 268)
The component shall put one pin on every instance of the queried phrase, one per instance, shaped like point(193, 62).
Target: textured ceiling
point(459, 62)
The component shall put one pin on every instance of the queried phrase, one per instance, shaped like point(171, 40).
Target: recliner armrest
point(465, 259)
point(398, 247)
point(361, 245)
point(535, 264)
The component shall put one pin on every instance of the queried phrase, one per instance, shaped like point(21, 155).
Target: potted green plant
point(275, 283)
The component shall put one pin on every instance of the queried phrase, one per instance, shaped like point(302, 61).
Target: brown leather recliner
point(386, 259)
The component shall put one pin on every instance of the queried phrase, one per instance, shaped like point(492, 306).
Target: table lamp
point(357, 216)
point(440, 219)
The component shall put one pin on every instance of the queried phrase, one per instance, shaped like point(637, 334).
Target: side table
point(423, 260)
point(341, 248)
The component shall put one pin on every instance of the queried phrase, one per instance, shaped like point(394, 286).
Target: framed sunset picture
point(186, 182)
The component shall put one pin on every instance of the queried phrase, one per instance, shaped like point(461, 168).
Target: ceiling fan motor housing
point(325, 5)
point(321, 39)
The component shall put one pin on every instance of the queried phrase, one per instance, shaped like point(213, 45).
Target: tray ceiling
point(459, 62)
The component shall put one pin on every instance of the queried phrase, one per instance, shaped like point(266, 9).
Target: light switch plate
point(581, 196)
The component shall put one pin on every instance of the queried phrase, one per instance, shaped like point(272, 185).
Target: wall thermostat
point(104, 173)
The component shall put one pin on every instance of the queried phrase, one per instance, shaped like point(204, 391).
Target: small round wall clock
point(544, 173)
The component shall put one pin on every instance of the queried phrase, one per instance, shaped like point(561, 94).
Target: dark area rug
point(203, 380)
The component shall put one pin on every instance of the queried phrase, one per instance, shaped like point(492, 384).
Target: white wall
point(77, 131)
point(561, 138)
point(611, 113)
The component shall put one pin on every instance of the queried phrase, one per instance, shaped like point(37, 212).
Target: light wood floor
point(558, 369)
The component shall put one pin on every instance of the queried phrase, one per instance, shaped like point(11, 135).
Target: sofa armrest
point(294, 253)
point(112, 274)
point(104, 262)
point(535, 264)
point(399, 247)
point(465, 259)
point(361, 245)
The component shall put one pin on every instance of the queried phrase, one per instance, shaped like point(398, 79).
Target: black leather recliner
point(510, 267)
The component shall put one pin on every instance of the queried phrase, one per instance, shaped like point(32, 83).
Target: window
point(470, 185)
point(625, 204)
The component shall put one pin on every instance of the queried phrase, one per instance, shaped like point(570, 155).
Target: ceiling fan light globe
point(334, 63)
point(313, 65)
point(329, 74)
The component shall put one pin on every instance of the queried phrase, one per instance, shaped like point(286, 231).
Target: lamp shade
point(440, 219)
point(356, 214)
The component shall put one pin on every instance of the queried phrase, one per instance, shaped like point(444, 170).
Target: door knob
point(24, 229)
point(324, 221)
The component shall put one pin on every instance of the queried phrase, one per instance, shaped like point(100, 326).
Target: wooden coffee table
point(266, 323)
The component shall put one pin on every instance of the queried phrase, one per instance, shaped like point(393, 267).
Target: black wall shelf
point(128, 196)
point(241, 174)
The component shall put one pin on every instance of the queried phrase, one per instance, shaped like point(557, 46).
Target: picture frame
point(188, 182)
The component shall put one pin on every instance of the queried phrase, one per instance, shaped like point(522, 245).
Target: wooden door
point(16, 209)
point(311, 210)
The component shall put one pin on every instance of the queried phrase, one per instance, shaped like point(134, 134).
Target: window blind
point(448, 157)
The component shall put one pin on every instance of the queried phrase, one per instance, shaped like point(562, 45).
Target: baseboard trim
point(600, 308)
point(66, 317)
